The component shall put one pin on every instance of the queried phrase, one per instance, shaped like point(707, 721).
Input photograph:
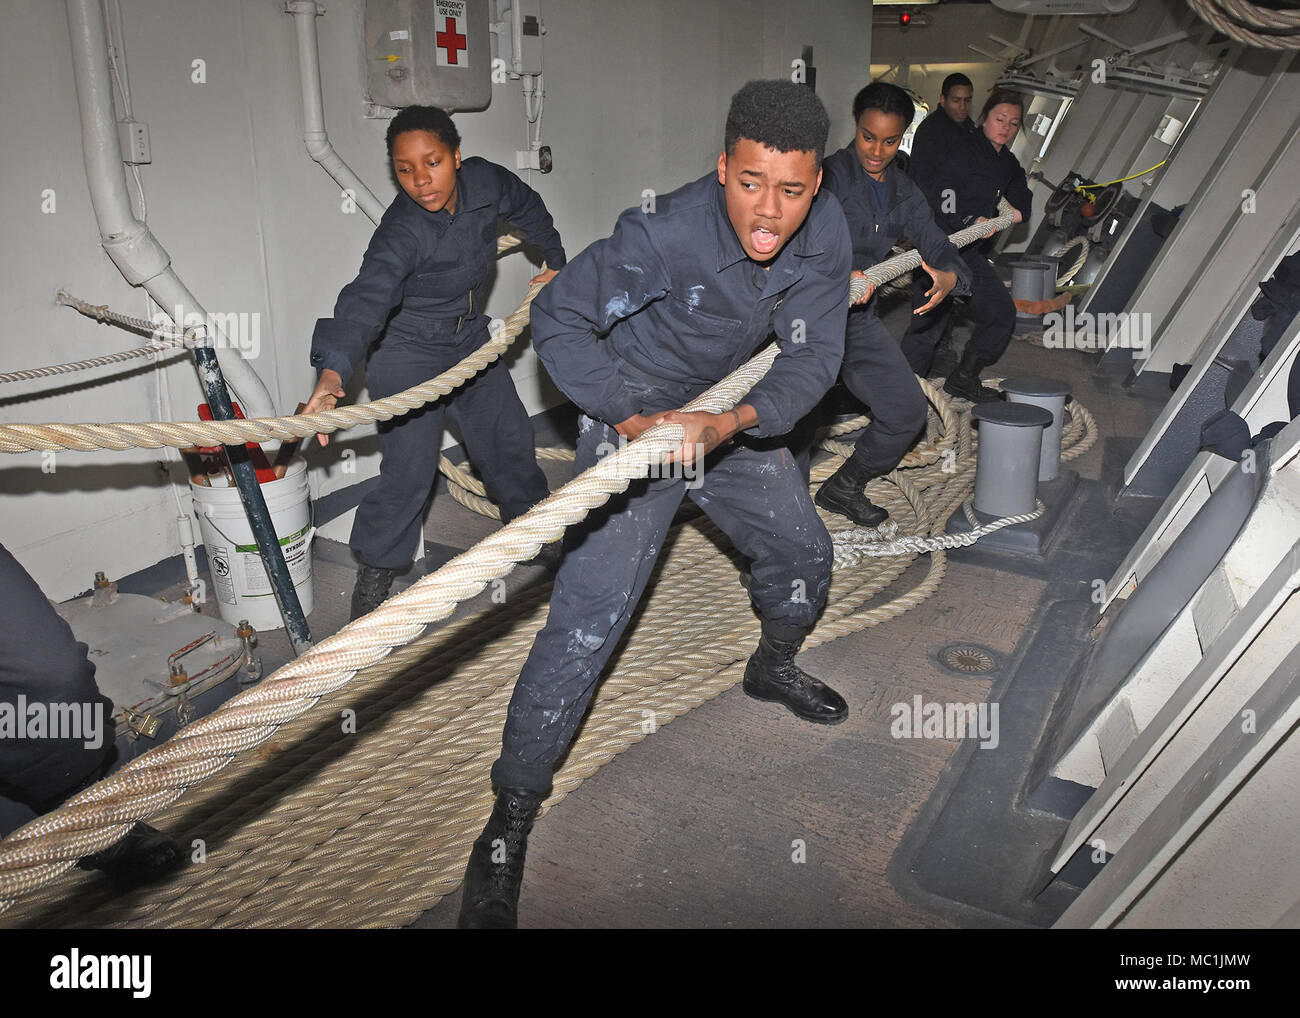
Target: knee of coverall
point(797, 581)
point(1001, 309)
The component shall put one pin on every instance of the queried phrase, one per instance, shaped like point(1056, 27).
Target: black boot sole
point(834, 505)
point(816, 719)
point(967, 392)
point(143, 856)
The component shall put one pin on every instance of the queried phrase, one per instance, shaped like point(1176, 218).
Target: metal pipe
point(127, 241)
point(259, 517)
point(314, 137)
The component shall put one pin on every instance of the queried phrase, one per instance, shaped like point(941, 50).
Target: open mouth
point(764, 240)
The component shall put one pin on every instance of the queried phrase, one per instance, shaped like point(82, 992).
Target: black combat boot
point(965, 381)
point(490, 896)
point(144, 854)
point(371, 590)
point(772, 675)
point(842, 493)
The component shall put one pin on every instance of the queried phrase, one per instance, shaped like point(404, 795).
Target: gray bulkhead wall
point(636, 96)
point(1106, 131)
point(1216, 228)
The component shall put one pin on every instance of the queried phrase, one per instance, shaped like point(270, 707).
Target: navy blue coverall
point(874, 369)
point(42, 662)
point(965, 186)
point(642, 322)
point(936, 136)
point(434, 268)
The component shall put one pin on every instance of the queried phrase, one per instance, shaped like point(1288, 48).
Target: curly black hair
point(779, 114)
point(424, 118)
point(888, 99)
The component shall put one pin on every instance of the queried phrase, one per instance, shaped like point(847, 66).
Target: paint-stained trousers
point(755, 495)
point(42, 662)
point(990, 305)
point(492, 421)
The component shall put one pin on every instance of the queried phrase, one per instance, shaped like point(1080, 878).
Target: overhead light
point(888, 19)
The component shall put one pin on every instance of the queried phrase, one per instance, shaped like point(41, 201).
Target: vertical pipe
point(138, 255)
point(314, 137)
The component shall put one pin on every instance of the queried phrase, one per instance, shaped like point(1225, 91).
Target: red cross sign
point(451, 40)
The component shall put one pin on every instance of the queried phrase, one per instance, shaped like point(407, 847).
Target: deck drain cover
point(968, 659)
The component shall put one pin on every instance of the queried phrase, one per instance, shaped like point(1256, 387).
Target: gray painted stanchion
point(1006, 473)
point(1050, 394)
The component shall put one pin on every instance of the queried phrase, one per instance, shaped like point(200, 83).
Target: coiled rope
point(371, 829)
point(1085, 248)
point(1262, 27)
point(97, 817)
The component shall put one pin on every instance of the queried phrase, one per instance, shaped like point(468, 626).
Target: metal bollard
point(1050, 394)
point(1027, 279)
point(1006, 473)
point(1033, 279)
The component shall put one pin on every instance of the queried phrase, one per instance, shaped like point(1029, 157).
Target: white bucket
point(239, 581)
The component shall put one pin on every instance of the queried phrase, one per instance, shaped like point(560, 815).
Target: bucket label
point(219, 566)
point(296, 557)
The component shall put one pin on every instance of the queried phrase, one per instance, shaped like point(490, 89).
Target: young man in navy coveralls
point(945, 129)
point(882, 204)
point(430, 259)
point(644, 322)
